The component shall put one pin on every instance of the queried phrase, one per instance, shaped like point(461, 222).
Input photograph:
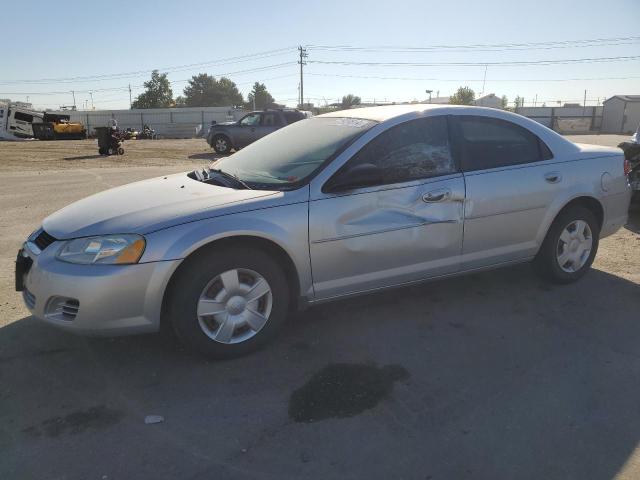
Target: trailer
point(17, 119)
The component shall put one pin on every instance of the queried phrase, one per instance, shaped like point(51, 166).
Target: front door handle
point(436, 196)
point(553, 177)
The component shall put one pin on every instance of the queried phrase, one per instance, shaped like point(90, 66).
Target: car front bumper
point(98, 300)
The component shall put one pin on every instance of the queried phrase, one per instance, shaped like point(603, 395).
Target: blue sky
point(96, 38)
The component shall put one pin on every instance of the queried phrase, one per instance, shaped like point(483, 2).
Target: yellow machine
point(58, 127)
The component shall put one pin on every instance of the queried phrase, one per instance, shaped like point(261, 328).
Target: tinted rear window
point(492, 143)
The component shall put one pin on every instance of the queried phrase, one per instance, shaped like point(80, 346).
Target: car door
point(511, 181)
point(248, 129)
point(405, 227)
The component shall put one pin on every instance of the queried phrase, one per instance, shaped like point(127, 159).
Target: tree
point(261, 96)
point(205, 91)
point(350, 100)
point(464, 96)
point(158, 93)
point(504, 101)
point(180, 102)
point(518, 102)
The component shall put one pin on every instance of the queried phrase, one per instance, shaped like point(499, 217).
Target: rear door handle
point(436, 196)
point(553, 177)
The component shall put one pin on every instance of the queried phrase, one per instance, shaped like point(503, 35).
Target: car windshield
point(290, 155)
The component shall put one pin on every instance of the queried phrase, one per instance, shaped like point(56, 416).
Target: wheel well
point(247, 241)
point(589, 203)
point(221, 134)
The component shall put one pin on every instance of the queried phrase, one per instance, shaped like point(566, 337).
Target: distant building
point(621, 114)
point(438, 100)
point(490, 100)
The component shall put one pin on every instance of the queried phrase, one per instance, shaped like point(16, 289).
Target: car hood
point(151, 205)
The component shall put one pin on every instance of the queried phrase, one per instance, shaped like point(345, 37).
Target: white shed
point(490, 100)
point(621, 114)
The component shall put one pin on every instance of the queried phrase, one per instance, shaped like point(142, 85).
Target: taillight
point(627, 167)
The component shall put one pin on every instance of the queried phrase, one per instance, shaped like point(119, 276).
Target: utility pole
point(74, 99)
point(303, 55)
point(130, 103)
point(584, 103)
point(535, 101)
point(91, 94)
point(484, 79)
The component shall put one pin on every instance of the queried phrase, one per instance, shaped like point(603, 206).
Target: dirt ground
point(73, 154)
point(492, 375)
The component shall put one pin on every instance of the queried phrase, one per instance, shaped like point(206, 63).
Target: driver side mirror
point(363, 175)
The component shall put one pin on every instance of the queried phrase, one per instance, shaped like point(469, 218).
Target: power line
point(482, 46)
point(482, 64)
point(126, 88)
point(433, 79)
point(114, 76)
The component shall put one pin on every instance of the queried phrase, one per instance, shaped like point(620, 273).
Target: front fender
point(285, 226)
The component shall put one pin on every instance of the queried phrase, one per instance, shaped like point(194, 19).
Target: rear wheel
point(228, 303)
point(221, 144)
point(570, 246)
point(120, 151)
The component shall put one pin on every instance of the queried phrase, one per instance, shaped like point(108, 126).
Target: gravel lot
point(489, 376)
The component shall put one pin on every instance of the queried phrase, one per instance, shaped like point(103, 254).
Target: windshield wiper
point(229, 176)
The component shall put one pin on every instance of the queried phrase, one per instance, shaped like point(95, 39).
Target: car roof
point(386, 112)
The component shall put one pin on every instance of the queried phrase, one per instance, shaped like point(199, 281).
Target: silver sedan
point(341, 204)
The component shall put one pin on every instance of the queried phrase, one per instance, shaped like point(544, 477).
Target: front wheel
point(228, 303)
point(221, 144)
point(570, 246)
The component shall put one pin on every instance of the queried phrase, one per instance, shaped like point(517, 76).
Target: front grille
point(29, 298)
point(43, 240)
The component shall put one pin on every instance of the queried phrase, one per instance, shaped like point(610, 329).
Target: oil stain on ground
point(342, 390)
point(94, 418)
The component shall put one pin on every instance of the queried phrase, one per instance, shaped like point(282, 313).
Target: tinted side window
point(270, 120)
point(409, 151)
point(292, 117)
point(492, 143)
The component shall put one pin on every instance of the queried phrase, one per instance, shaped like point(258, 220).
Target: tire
point(221, 144)
point(206, 283)
point(102, 151)
point(562, 257)
point(120, 151)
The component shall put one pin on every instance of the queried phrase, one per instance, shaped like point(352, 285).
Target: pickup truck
point(223, 137)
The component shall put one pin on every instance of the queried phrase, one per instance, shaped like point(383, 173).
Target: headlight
point(106, 249)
